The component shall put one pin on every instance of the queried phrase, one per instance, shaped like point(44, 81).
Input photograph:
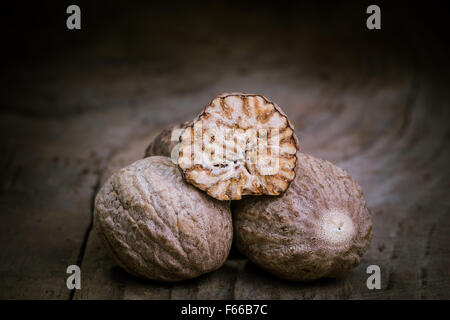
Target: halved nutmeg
point(240, 144)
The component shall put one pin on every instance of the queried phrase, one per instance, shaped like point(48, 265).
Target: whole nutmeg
point(165, 142)
point(319, 228)
point(158, 227)
point(240, 144)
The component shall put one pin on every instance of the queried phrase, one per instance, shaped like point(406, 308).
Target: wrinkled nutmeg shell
point(320, 227)
point(158, 227)
point(165, 142)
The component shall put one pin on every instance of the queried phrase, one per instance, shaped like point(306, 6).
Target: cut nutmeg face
point(241, 144)
point(319, 228)
point(156, 226)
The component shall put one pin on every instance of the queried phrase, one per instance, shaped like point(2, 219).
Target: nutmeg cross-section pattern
point(240, 144)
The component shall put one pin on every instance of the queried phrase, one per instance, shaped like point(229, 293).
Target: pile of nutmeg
point(232, 174)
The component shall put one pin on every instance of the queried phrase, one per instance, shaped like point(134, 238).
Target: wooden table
point(77, 106)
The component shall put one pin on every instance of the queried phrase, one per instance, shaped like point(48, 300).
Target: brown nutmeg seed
point(240, 144)
point(320, 227)
point(158, 227)
point(165, 143)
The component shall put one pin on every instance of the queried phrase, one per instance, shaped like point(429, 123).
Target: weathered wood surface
point(374, 107)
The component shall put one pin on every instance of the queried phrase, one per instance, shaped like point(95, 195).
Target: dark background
point(77, 105)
